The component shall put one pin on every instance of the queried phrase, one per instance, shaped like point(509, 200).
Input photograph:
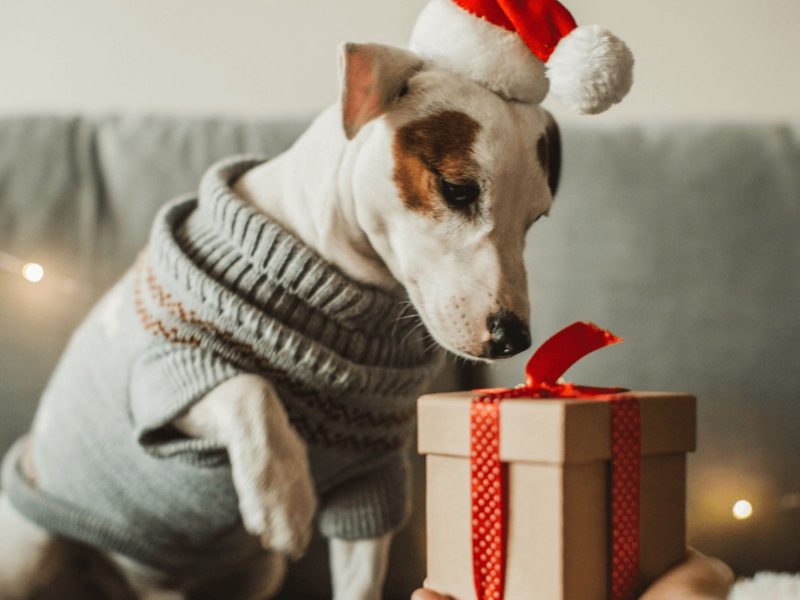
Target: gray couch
point(681, 238)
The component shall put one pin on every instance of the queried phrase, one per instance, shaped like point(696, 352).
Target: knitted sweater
point(221, 290)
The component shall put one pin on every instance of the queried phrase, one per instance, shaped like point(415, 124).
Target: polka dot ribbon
point(489, 477)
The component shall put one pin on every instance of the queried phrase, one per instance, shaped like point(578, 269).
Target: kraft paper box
point(558, 511)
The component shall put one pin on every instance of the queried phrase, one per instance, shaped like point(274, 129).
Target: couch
point(682, 238)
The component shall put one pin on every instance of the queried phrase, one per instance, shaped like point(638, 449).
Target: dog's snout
point(509, 335)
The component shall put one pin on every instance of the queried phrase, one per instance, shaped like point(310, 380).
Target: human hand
point(699, 578)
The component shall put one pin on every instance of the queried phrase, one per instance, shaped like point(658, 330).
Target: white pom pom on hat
point(521, 49)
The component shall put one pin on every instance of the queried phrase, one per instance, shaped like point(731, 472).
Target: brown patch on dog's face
point(438, 145)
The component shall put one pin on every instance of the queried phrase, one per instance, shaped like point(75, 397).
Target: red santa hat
point(521, 49)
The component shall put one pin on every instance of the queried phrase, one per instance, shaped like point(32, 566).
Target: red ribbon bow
point(488, 476)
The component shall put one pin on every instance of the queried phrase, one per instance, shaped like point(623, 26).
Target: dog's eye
point(459, 195)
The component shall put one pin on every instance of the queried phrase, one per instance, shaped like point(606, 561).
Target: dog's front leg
point(358, 567)
point(269, 461)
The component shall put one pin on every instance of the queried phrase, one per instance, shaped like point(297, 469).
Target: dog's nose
point(509, 335)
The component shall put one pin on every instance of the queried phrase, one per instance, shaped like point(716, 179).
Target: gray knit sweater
point(219, 291)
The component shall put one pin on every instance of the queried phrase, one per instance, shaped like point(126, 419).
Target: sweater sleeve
point(370, 505)
point(165, 382)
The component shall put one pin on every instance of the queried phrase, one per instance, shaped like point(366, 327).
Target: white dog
point(418, 179)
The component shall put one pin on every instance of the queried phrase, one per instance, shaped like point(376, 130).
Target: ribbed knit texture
point(221, 290)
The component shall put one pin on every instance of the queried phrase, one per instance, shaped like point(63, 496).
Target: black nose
point(510, 335)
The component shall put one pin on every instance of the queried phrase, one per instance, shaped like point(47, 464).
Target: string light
point(742, 510)
point(33, 272)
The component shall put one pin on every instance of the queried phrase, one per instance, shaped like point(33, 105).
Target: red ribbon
point(488, 475)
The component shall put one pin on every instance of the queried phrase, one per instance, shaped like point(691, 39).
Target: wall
point(718, 59)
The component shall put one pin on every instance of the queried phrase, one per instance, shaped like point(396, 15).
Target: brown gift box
point(558, 528)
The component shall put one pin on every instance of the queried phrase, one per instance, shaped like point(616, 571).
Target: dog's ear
point(373, 77)
point(553, 137)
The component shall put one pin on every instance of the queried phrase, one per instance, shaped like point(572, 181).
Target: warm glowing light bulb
point(33, 272)
point(742, 510)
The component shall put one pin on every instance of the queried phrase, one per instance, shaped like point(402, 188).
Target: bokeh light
point(742, 510)
point(33, 272)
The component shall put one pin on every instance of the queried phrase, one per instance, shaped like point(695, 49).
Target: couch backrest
point(683, 239)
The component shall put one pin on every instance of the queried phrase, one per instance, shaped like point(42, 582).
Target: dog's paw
point(277, 500)
point(282, 513)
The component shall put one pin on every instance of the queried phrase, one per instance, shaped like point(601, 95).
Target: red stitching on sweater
point(334, 411)
point(149, 321)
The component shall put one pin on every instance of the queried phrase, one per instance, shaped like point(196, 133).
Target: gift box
point(554, 491)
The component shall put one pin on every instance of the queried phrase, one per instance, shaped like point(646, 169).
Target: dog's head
point(449, 178)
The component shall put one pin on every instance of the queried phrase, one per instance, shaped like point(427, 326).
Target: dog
point(419, 181)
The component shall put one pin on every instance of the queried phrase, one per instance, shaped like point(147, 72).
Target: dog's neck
point(308, 191)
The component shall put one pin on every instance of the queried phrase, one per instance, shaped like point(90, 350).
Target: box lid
point(557, 430)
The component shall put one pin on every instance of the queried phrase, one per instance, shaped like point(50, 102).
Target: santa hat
point(520, 49)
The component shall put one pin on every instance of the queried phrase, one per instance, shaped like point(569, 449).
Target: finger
point(715, 567)
point(699, 578)
point(692, 554)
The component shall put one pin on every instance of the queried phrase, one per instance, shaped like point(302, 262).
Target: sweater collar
point(219, 253)
point(271, 251)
